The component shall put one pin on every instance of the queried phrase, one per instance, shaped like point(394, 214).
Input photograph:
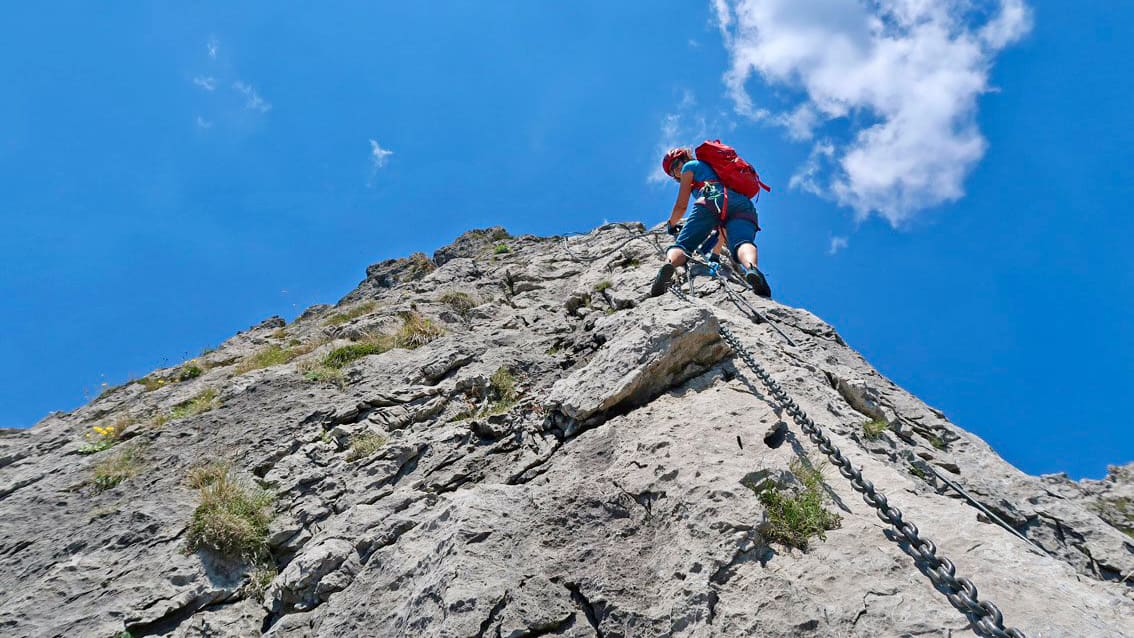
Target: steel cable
point(986, 617)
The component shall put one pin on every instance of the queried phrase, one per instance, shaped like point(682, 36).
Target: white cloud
point(206, 83)
point(685, 126)
point(378, 155)
point(905, 74)
point(203, 123)
point(252, 99)
point(212, 48)
point(837, 244)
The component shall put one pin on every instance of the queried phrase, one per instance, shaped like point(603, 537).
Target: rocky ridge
point(548, 452)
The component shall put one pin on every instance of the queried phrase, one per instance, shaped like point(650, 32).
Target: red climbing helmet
point(672, 155)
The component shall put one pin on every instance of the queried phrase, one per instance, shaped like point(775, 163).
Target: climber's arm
point(682, 197)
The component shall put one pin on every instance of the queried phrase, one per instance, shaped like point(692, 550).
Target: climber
point(739, 225)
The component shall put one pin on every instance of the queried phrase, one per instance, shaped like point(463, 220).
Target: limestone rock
point(557, 455)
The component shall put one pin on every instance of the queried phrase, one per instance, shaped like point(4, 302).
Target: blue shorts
point(741, 225)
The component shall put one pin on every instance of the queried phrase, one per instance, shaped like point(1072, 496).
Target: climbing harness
point(986, 617)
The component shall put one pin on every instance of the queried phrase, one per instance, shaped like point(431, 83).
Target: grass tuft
point(350, 314)
point(200, 476)
point(603, 285)
point(874, 429)
point(416, 330)
point(363, 445)
point(340, 357)
point(937, 442)
point(116, 468)
point(316, 372)
point(501, 248)
point(502, 397)
point(151, 383)
point(417, 266)
point(272, 355)
point(502, 391)
point(203, 402)
point(460, 302)
point(260, 578)
point(231, 519)
point(793, 519)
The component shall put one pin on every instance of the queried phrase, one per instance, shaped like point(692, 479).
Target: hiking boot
point(661, 281)
point(759, 284)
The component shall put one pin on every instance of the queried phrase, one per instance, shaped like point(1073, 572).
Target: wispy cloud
point(203, 123)
point(837, 244)
point(378, 155)
point(211, 46)
point(679, 128)
point(206, 83)
point(905, 75)
point(252, 99)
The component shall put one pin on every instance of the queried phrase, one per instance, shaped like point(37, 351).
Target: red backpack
point(735, 173)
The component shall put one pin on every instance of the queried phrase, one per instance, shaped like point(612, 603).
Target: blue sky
point(952, 187)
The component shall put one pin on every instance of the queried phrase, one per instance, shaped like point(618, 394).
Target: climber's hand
point(673, 229)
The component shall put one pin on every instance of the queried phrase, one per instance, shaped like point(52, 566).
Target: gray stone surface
point(609, 499)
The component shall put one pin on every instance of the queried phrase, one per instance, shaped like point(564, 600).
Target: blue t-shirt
point(702, 172)
point(738, 205)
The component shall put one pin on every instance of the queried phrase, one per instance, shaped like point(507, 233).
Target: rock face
point(533, 447)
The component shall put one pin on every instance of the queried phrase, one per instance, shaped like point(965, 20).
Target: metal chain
point(985, 616)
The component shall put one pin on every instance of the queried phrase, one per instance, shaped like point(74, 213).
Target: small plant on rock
point(317, 372)
point(340, 357)
point(190, 371)
point(502, 390)
point(116, 468)
point(272, 355)
point(603, 285)
point(101, 437)
point(363, 445)
point(159, 419)
point(200, 476)
point(794, 518)
point(350, 314)
point(260, 578)
point(874, 429)
point(417, 266)
point(501, 248)
point(460, 302)
point(416, 330)
point(231, 519)
point(151, 383)
point(203, 402)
